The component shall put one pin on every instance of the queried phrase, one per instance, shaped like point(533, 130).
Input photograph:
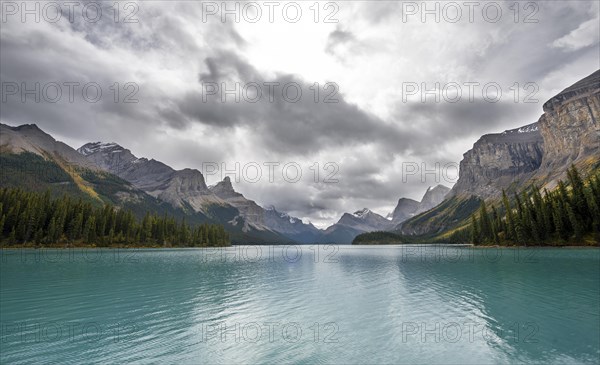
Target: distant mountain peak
point(30, 130)
point(225, 185)
point(587, 86)
point(407, 208)
point(26, 126)
point(438, 187)
point(224, 189)
point(30, 138)
point(361, 213)
point(433, 196)
point(95, 147)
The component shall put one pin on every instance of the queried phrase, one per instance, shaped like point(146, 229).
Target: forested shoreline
point(37, 219)
point(568, 214)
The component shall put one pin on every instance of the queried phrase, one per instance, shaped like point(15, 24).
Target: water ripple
point(371, 305)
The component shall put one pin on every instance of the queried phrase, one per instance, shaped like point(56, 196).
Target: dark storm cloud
point(283, 201)
point(527, 53)
point(89, 52)
point(343, 45)
point(338, 37)
point(22, 64)
point(384, 11)
point(430, 125)
point(367, 147)
point(302, 126)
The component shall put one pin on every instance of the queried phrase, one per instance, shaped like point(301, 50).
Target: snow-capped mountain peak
point(361, 213)
point(90, 148)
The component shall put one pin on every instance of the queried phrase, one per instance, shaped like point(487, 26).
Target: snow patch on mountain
point(530, 128)
point(361, 213)
point(94, 147)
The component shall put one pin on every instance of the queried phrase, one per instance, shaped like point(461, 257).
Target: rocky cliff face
point(269, 219)
point(88, 177)
point(149, 175)
point(187, 189)
point(567, 133)
point(292, 227)
point(433, 197)
point(182, 189)
point(405, 209)
point(364, 220)
point(30, 138)
point(224, 190)
point(351, 225)
point(570, 127)
point(498, 160)
point(249, 210)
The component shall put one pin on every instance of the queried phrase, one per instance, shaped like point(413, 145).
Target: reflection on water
point(300, 304)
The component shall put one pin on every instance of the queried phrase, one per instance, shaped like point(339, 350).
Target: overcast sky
point(372, 52)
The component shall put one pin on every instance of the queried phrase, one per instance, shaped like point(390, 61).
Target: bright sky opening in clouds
point(368, 53)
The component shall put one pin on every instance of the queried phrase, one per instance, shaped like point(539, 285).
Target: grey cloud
point(39, 53)
point(506, 53)
point(286, 127)
point(523, 52)
point(338, 37)
point(343, 45)
point(432, 124)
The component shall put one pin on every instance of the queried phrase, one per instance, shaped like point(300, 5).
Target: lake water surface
point(301, 304)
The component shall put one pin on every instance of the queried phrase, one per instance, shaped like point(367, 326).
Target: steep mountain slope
point(351, 225)
point(567, 133)
point(407, 208)
point(187, 189)
point(364, 220)
point(498, 160)
point(570, 127)
point(251, 212)
point(451, 213)
point(292, 227)
point(30, 138)
point(268, 219)
point(182, 189)
point(433, 197)
point(34, 160)
point(510, 160)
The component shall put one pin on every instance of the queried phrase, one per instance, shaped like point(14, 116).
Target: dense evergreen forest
point(38, 219)
point(376, 238)
point(568, 214)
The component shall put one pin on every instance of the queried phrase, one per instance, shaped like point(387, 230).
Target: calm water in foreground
point(300, 304)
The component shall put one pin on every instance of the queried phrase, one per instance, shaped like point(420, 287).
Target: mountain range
point(540, 153)
point(567, 133)
point(110, 173)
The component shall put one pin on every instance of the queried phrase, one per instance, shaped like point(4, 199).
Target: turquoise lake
point(300, 304)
